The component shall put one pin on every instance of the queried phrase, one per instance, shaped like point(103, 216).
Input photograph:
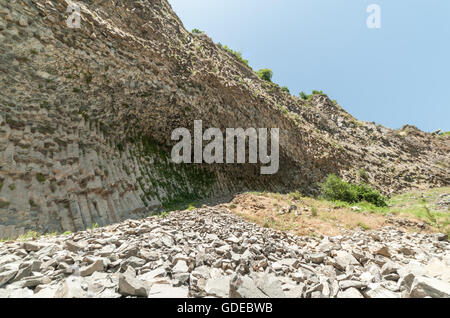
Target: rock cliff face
point(86, 117)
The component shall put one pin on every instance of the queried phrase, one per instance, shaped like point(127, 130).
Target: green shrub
point(304, 96)
point(33, 204)
point(285, 89)
point(336, 189)
point(41, 178)
point(368, 194)
point(316, 92)
point(265, 74)
point(197, 31)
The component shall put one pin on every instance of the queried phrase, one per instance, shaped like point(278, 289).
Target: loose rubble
point(211, 252)
point(83, 115)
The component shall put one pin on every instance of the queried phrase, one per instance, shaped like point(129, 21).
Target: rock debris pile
point(210, 252)
point(87, 114)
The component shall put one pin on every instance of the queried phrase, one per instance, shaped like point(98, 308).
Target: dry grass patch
point(313, 216)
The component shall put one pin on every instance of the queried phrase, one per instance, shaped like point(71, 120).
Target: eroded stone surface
point(211, 252)
point(86, 118)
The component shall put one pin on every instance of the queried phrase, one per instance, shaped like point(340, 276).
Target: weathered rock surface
point(211, 252)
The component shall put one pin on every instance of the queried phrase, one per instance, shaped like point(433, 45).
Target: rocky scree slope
point(86, 117)
point(211, 252)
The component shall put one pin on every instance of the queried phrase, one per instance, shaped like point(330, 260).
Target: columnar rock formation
point(86, 117)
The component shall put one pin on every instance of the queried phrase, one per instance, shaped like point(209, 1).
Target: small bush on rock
point(304, 96)
point(265, 74)
point(336, 189)
point(316, 92)
point(368, 194)
point(285, 89)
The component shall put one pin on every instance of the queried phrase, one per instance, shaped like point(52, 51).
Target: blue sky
point(396, 75)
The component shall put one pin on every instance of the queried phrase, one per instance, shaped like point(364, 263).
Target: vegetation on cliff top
point(305, 96)
point(265, 74)
point(237, 54)
point(197, 31)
